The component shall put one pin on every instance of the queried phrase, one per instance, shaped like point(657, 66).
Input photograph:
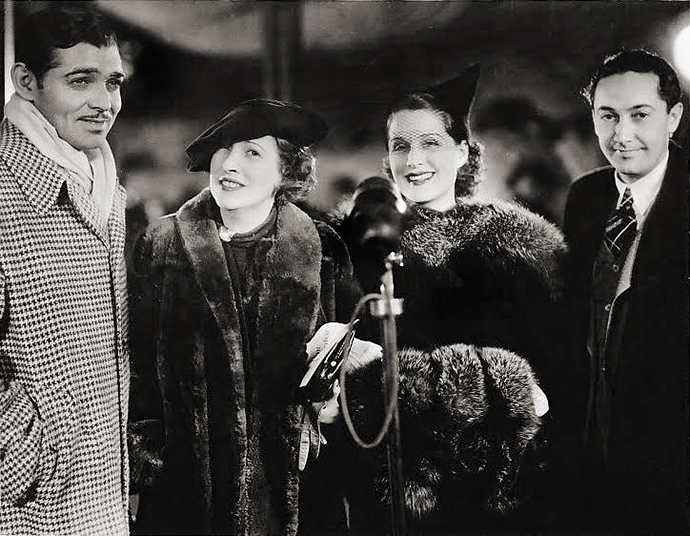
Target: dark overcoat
point(191, 345)
point(648, 448)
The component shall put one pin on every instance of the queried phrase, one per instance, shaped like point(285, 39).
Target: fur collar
point(290, 288)
point(295, 259)
point(491, 231)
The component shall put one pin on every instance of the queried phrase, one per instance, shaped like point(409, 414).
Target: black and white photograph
point(345, 268)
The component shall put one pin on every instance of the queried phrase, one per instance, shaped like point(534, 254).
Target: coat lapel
point(199, 235)
point(87, 209)
point(664, 235)
point(288, 304)
point(41, 180)
point(288, 293)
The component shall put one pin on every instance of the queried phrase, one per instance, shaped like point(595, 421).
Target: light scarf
point(94, 171)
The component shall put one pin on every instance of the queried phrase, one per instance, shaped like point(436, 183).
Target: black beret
point(254, 119)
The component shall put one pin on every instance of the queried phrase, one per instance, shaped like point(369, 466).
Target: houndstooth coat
point(64, 372)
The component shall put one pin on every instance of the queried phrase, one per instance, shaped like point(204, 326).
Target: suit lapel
point(597, 204)
point(664, 235)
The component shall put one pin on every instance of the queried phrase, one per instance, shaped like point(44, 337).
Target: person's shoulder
point(329, 236)
point(301, 216)
point(679, 160)
point(161, 226)
point(13, 147)
point(150, 244)
point(509, 235)
point(158, 230)
point(201, 206)
point(592, 179)
point(514, 223)
point(595, 186)
point(332, 244)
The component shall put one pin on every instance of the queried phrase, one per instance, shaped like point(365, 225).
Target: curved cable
point(392, 401)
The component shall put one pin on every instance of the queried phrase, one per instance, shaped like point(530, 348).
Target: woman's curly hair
point(470, 174)
point(298, 168)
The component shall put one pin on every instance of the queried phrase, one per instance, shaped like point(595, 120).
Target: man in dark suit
point(627, 228)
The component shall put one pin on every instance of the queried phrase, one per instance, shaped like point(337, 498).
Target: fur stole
point(501, 234)
point(467, 425)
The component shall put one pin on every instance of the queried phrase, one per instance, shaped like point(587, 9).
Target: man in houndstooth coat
point(64, 372)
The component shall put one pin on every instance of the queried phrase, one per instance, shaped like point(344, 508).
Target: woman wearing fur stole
point(479, 282)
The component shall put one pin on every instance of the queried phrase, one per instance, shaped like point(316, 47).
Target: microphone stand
point(387, 308)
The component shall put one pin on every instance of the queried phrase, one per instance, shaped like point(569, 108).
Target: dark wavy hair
point(470, 174)
point(639, 61)
point(59, 25)
point(298, 168)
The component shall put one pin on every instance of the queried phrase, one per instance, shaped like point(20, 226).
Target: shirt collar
point(644, 189)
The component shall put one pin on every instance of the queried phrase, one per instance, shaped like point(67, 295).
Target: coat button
point(607, 307)
point(615, 268)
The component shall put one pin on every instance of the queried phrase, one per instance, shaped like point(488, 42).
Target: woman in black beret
point(480, 282)
point(225, 295)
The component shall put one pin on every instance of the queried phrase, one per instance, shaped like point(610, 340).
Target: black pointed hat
point(253, 119)
point(456, 95)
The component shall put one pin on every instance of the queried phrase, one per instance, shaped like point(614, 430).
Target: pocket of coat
point(57, 409)
point(62, 436)
point(24, 454)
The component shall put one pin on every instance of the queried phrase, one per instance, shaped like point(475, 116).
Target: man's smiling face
point(633, 123)
point(80, 96)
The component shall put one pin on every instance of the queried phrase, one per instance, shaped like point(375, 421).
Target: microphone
point(376, 217)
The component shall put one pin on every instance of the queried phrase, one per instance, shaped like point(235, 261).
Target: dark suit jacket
point(649, 410)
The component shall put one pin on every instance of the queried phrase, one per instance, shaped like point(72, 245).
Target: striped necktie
point(621, 227)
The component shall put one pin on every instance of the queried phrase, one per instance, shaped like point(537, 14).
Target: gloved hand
point(361, 353)
point(328, 411)
point(541, 403)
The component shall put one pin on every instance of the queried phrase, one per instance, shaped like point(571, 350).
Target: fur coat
point(480, 285)
point(192, 360)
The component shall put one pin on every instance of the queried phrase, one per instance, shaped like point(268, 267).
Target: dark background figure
point(526, 139)
point(629, 304)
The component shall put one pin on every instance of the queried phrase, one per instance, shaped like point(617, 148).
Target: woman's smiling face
point(424, 159)
point(246, 175)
